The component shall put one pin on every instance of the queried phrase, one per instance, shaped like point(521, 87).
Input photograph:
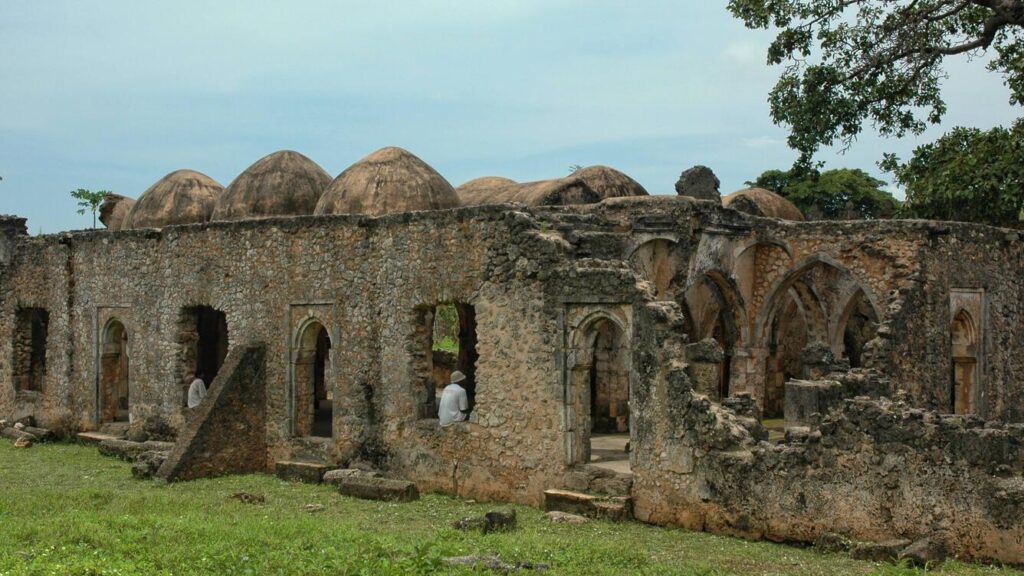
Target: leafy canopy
point(967, 174)
point(854, 61)
point(89, 201)
point(841, 194)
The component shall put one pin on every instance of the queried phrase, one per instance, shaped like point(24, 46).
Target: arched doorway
point(599, 395)
point(113, 397)
point(715, 310)
point(860, 325)
point(964, 366)
point(817, 306)
point(788, 338)
point(313, 389)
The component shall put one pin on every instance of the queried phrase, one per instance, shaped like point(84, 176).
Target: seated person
point(196, 391)
point(454, 404)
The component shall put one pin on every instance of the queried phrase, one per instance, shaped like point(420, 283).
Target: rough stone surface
point(130, 451)
point(494, 521)
point(616, 290)
point(557, 517)
point(148, 463)
point(225, 434)
point(618, 508)
point(370, 488)
point(887, 551)
point(308, 472)
point(699, 182)
point(924, 553)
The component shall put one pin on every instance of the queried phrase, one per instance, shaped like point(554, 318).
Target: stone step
point(116, 429)
point(308, 472)
point(617, 508)
point(370, 488)
point(94, 437)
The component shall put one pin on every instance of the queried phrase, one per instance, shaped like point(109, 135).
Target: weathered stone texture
point(225, 433)
point(657, 273)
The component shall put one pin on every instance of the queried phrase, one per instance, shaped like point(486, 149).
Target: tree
point(841, 194)
point(853, 61)
point(89, 201)
point(967, 174)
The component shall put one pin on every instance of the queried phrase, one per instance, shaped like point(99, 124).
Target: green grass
point(447, 344)
point(66, 510)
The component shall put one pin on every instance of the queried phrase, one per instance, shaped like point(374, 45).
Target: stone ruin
point(689, 364)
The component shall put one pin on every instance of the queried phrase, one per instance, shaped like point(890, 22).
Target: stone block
point(15, 434)
point(924, 553)
point(614, 508)
point(308, 472)
point(805, 398)
point(336, 476)
point(147, 463)
point(130, 451)
point(369, 488)
point(887, 551)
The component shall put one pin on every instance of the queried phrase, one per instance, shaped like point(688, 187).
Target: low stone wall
point(872, 470)
point(225, 435)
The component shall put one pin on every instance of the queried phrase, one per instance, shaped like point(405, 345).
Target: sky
point(113, 95)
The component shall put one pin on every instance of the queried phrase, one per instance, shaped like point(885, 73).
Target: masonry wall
point(538, 280)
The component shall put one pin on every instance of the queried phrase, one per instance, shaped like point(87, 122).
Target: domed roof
point(181, 197)
point(388, 181)
point(114, 210)
point(761, 202)
point(284, 183)
point(609, 182)
point(557, 192)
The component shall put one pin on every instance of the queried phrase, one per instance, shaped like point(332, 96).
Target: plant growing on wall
point(89, 201)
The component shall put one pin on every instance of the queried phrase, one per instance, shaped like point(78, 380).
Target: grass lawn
point(66, 510)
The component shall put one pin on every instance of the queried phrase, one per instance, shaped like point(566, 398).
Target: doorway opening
point(203, 344)
point(113, 405)
point(313, 383)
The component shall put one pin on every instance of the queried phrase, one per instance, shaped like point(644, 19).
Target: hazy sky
point(115, 94)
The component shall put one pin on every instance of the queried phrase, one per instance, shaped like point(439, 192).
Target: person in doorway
point(454, 405)
point(196, 391)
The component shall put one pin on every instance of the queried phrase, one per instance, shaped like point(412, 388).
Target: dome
point(761, 202)
point(609, 182)
point(558, 192)
point(181, 197)
point(114, 210)
point(284, 183)
point(388, 181)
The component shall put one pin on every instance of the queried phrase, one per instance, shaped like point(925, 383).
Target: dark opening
point(29, 363)
point(609, 381)
point(114, 374)
point(204, 343)
point(448, 333)
point(860, 328)
point(323, 399)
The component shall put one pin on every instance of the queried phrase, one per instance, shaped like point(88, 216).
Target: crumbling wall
point(873, 470)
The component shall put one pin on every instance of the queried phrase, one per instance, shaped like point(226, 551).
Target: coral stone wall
point(541, 284)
